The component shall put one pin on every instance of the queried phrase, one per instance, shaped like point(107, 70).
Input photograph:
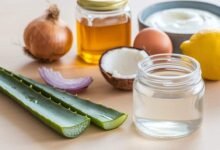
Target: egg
point(153, 41)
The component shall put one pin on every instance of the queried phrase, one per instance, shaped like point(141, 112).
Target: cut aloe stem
point(102, 116)
point(62, 120)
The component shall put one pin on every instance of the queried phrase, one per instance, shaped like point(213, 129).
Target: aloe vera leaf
point(62, 120)
point(104, 117)
point(100, 115)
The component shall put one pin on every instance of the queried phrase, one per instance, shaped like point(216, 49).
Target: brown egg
point(153, 41)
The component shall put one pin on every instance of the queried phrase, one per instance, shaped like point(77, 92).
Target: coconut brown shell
point(122, 84)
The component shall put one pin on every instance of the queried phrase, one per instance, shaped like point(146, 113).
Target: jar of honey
point(101, 25)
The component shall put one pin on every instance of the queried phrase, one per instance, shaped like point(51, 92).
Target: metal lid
point(102, 5)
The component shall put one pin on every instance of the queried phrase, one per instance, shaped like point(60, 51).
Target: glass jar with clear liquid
point(167, 96)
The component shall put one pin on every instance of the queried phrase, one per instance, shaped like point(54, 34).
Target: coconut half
point(119, 66)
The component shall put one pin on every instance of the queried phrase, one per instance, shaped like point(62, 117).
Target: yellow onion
point(47, 38)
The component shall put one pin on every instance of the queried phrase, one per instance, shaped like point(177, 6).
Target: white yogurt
point(183, 20)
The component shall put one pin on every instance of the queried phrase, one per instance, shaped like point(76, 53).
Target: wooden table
point(21, 131)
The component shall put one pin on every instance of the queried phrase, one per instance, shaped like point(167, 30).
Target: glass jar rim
point(102, 5)
point(101, 13)
point(193, 60)
point(172, 71)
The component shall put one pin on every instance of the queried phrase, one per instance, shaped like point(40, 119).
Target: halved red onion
point(56, 80)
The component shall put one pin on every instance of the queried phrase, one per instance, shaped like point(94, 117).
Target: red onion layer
point(56, 80)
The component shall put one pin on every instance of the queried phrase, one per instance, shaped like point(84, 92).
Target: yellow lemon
point(205, 47)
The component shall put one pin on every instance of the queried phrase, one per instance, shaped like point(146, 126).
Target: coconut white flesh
point(122, 62)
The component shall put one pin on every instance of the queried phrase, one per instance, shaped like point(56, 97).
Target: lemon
point(205, 47)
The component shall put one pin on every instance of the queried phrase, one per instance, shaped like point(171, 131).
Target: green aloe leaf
point(104, 117)
point(62, 120)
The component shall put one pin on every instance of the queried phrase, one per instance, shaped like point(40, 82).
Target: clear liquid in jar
point(166, 115)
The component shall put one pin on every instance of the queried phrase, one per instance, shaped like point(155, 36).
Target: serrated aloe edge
point(103, 117)
point(60, 119)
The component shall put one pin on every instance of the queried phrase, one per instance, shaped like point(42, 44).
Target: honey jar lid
point(102, 5)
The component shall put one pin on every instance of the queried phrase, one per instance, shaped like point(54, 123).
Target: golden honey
point(93, 40)
point(101, 25)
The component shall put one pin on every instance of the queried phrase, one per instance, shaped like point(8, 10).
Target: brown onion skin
point(47, 39)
